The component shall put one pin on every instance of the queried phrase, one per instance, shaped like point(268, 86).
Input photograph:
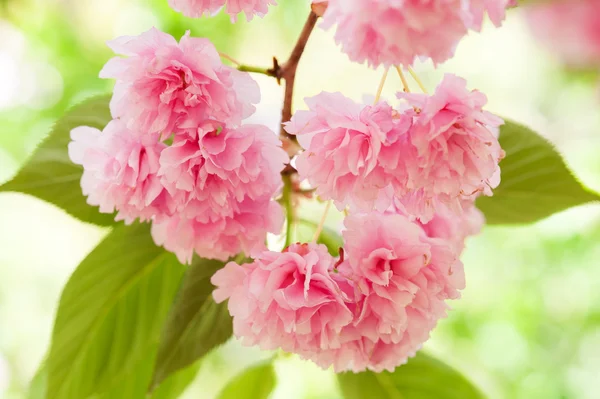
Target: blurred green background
point(528, 325)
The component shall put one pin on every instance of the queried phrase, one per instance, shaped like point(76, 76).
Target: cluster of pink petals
point(120, 171)
point(243, 232)
point(439, 152)
point(394, 32)
point(571, 29)
point(165, 87)
point(453, 154)
point(402, 279)
point(198, 8)
point(290, 300)
point(453, 227)
point(210, 175)
point(177, 153)
point(351, 150)
point(372, 310)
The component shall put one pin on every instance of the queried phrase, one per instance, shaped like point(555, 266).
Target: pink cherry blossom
point(350, 154)
point(495, 9)
point(245, 231)
point(210, 173)
point(397, 32)
point(393, 32)
point(402, 279)
point(164, 86)
point(288, 300)
point(452, 153)
point(197, 8)
point(455, 228)
point(120, 171)
point(570, 29)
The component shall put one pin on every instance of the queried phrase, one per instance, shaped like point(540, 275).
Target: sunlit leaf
point(536, 182)
point(51, 176)
point(196, 324)
point(254, 383)
point(111, 313)
point(423, 377)
point(39, 383)
point(134, 384)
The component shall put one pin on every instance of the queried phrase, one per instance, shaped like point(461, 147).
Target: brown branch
point(288, 72)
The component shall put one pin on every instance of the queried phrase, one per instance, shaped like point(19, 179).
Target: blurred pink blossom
point(198, 8)
point(570, 29)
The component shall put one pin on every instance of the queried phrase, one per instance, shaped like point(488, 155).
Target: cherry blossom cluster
point(381, 32)
point(408, 177)
point(177, 153)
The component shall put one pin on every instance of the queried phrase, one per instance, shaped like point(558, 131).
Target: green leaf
point(39, 383)
point(176, 383)
point(254, 383)
point(536, 182)
point(423, 377)
point(195, 325)
point(111, 313)
point(51, 176)
point(135, 383)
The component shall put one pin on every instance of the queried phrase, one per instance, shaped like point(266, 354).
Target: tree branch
point(288, 72)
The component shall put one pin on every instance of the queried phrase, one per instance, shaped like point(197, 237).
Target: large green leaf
point(51, 176)
point(423, 377)
point(254, 383)
point(195, 325)
point(38, 385)
point(176, 383)
point(111, 313)
point(536, 182)
point(135, 383)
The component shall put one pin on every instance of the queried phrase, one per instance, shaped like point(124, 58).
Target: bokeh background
point(528, 325)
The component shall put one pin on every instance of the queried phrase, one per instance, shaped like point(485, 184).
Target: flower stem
point(403, 79)
point(322, 222)
point(381, 84)
point(289, 208)
point(416, 78)
point(253, 69)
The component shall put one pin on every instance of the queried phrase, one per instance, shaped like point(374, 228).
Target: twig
point(288, 71)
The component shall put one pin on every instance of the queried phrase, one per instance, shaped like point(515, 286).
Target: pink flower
point(396, 32)
point(452, 153)
point(350, 153)
point(164, 86)
point(496, 10)
point(402, 279)
point(197, 8)
point(210, 173)
point(120, 171)
point(288, 300)
point(455, 228)
point(570, 29)
point(393, 32)
point(245, 231)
